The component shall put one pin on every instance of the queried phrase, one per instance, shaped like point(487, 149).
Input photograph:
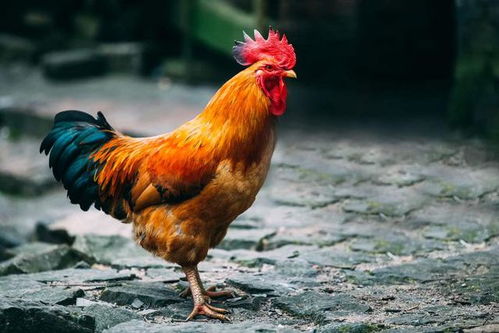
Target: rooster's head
point(272, 60)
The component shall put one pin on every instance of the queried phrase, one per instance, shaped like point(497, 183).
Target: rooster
point(181, 190)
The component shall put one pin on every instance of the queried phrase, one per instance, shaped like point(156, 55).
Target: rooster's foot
point(208, 311)
point(201, 296)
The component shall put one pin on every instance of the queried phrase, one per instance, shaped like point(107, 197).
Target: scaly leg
point(201, 306)
point(208, 292)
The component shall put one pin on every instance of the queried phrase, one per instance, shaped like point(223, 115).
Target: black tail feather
point(74, 138)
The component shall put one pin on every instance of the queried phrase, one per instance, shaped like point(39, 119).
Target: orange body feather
point(183, 189)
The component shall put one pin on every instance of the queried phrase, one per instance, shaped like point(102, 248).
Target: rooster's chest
point(232, 191)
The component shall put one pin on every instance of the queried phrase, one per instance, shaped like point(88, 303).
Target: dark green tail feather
point(74, 138)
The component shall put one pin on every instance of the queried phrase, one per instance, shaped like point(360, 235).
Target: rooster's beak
point(290, 73)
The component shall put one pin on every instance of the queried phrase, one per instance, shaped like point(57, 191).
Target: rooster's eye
point(268, 67)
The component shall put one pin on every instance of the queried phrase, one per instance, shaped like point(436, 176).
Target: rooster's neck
point(239, 119)
point(240, 102)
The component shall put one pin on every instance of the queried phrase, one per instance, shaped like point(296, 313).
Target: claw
point(208, 311)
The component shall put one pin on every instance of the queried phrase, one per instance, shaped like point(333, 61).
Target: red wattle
point(275, 89)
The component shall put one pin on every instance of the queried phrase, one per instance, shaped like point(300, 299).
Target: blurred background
point(380, 61)
point(390, 68)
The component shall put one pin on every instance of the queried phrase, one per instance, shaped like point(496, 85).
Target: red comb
point(251, 51)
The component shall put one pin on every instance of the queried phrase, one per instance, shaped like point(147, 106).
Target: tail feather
point(74, 138)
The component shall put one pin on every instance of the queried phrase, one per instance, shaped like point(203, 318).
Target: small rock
point(137, 303)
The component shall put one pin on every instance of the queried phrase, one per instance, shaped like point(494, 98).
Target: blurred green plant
point(474, 104)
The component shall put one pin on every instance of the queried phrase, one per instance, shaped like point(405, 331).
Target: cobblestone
point(349, 234)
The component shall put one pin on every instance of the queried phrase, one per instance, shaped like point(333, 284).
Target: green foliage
point(474, 103)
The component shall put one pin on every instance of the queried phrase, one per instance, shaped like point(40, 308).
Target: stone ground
point(353, 231)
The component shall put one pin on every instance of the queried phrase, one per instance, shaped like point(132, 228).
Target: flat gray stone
point(429, 270)
point(249, 302)
point(296, 268)
point(19, 315)
point(303, 187)
point(400, 176)
point(396, 244)
point(30, 249)
point(350, 328)
point(23, 286)
point(136, 326)
point(476, 289)
point(107, 316)
point(257, 259)
point(163, 274)
point(53, 295)
point(468, 232)
point(444, 317)
point(271, 285)
point(245, 238)
point(319, 307)
point(454, 222)
point(334, 258)
point(151, 294)
point(460, 183)
point(392, 202)
point(117, 251)
point(79, 275)
point(46, 259)
point(303, 236)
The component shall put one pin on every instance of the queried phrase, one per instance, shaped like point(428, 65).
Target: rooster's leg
point(201, 306)
point(208, 292)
